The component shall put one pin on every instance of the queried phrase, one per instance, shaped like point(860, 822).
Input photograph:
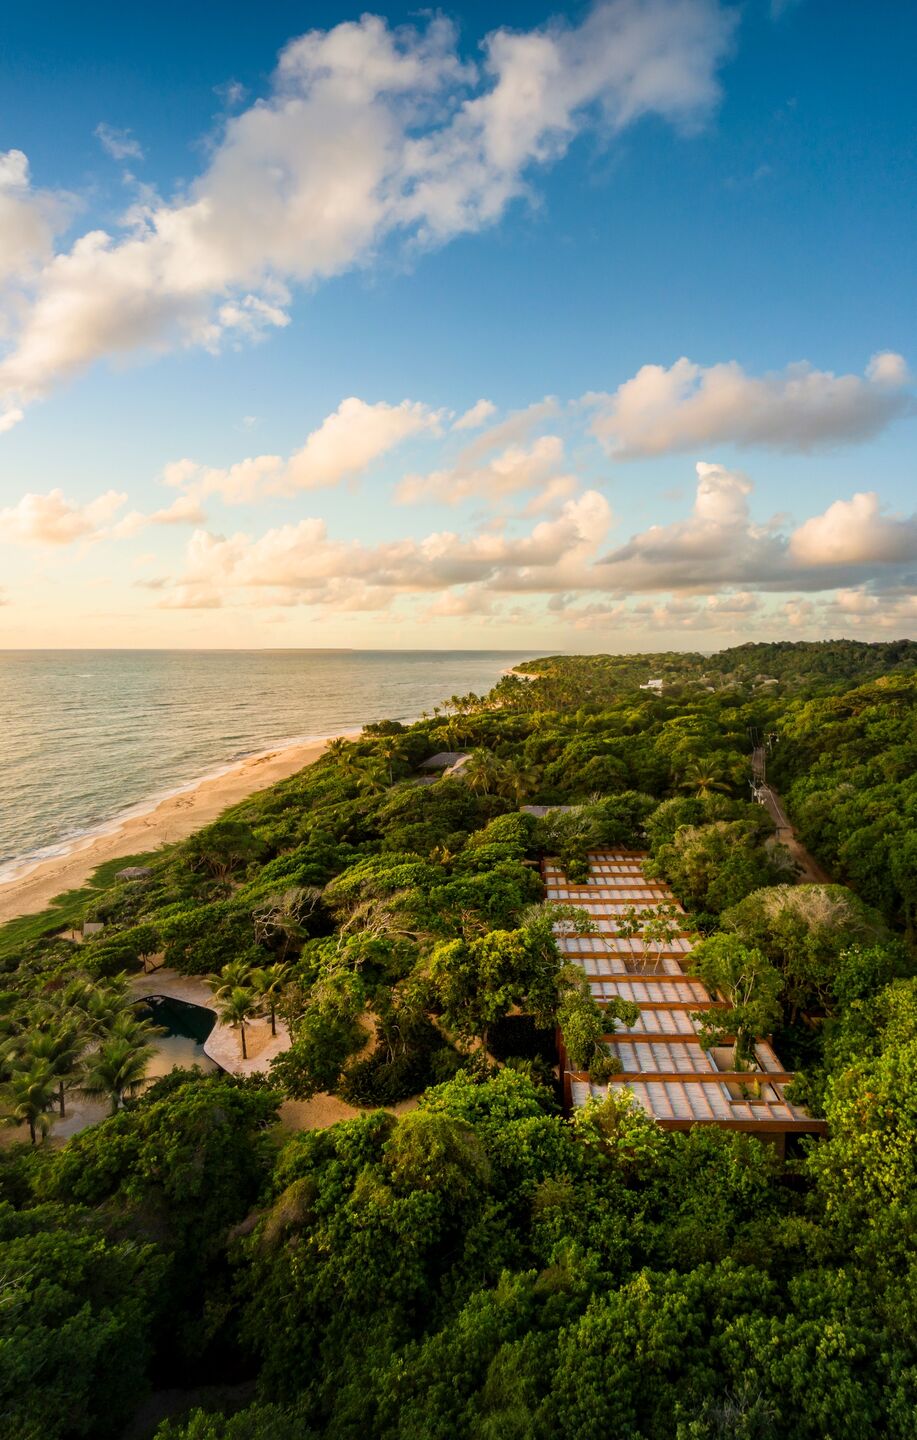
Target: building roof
point(443, 760)
point(662, 1062)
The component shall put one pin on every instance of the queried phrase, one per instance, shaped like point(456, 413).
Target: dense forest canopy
point(476, 1264)
point(799, 665)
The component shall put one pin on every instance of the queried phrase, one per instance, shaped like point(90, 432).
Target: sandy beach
point(174, 818)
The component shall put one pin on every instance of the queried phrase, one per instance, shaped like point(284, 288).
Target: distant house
point(655, 685)
point(134, 872)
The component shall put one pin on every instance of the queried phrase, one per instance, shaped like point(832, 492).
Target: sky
point(584, 329)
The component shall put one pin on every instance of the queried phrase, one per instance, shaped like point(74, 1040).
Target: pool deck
point(222, 1044)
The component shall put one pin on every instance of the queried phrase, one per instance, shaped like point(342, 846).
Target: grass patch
point(65, 911)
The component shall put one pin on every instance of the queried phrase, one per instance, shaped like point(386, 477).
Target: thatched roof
point(443, 760)
point(134, 872)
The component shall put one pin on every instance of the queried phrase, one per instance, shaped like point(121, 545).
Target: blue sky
point(502, 205)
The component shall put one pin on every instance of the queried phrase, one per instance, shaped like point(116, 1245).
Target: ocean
point(90, 736)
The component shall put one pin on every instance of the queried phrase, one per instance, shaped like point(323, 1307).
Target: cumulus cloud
point(367, 133)
point(27, 220)
point(875, 613)
point(513, 469)
point(514, 430)
point(800, 408)
point(9, 418)
point(302, 564)
point(855, 532)
point(717, 544)
point(343, 446)
point(720, 544)
point(185, 510)
point(728, 614)
point(119, 144)
point(52, 519)
point(476, 416)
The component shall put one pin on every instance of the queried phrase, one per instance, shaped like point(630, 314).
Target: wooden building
point(662, 1062)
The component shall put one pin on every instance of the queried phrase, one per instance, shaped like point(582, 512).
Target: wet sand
point(174, 818)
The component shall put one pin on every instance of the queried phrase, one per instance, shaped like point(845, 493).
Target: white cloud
point(184, 510)
point(717, 544)
point(477, 415)
point(560, 488)
point(27, 221)
point(799, 408)
point(720, 544)
point(343, 446)
point(514, 430)
point(514, 469)
point(301, 564)
point(352, 437)
point(52, 519)
point(854, 532)
point(119, 144)
point(9, 418)
point(877, 613)
point(367, 133)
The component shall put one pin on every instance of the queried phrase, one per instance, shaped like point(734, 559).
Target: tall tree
point(238, 1007)
point(60, 1047)
point(750, 983)
point(269, 983)
point(117, 1069)
point(704, 780)
point(481, 771)
point(28, 1096)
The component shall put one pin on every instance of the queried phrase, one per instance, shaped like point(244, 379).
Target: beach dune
point(174, 818)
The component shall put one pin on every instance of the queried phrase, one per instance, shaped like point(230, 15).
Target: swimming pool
point(187, 1027)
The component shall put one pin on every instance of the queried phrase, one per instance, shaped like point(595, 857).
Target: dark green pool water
point(187, 1027)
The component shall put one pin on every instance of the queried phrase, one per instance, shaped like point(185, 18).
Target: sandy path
point(174, 818)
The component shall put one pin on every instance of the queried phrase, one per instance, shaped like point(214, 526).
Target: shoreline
point(145, 827)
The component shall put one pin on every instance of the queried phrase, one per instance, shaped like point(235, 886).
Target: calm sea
point(87, 735)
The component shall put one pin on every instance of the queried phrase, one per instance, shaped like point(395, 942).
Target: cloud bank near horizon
point(539, 540)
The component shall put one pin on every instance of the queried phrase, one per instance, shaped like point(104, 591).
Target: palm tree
point(703, 780)
point(517, 780)
point(481, 771)
point(234, 976)
point(28, 1096)
point(371, 778)
point(95, 1007)
point(238, 1008)
point(452, 733)
point(139, 1029)
point(348, 762)
point(105, 1005)
point(60, 1049)
point(268, 984)
point(390, 749)
point(116, 1069)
